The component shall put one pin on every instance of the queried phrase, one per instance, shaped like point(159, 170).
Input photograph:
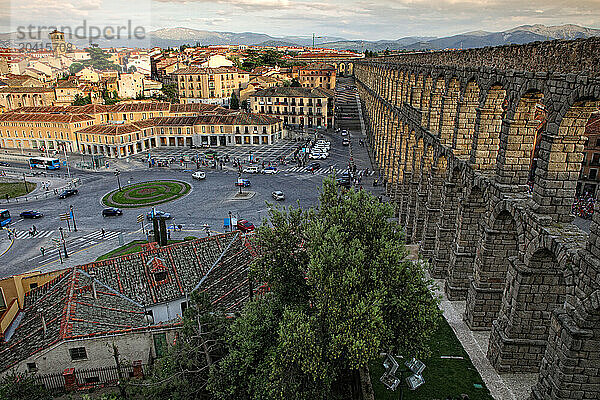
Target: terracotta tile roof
point(26, 90)
point(61, 118)
point(124, 287)
point(140, 107)
point(202, 71)
point(593, 125)
point(194, 107)
point(110, 129)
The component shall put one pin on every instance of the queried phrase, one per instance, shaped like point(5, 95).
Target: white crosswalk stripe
point(21, 235)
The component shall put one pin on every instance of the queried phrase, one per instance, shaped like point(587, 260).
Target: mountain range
point(174, 37)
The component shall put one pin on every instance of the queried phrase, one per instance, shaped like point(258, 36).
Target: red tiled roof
point(61, 118)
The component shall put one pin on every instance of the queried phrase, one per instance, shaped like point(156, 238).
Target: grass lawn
point(15, 189)
point(146, 193)
point(443, 377)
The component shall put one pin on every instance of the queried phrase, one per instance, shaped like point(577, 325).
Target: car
point(345, 142)
point(321, 148)
point(242, 182)
point(270, 170)
point(278, 195)
point(199, 175)
point(159, 214)
point(344, 133)
point(68, 193)
point(245, 226)
point(31, 214)
point(312, 167)
point(344, 181)
point(111, 212)
point(251, 170)
point(3, 164)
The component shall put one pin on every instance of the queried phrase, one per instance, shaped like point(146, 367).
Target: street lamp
point(62, 236)
point(230, 222)
point(117, 173)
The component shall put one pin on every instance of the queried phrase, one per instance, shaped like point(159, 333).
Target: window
point(78, 353)
point(2, 300)
point(33, 285)
point(598, 142)
point(160, 344)
point(160, 276)
point(31, 367)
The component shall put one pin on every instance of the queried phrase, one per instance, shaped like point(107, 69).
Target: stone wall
point(453, 134)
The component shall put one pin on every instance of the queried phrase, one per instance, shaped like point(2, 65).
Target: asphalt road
point(209, 202)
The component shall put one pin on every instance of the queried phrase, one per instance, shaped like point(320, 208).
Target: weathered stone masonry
point(453, 134)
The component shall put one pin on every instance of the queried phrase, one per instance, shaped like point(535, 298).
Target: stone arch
point(534, 289)
point(449, 110)
point(413, 176)
point(425, 101)
point(559, 159)
point(488, 125)
point(518, 139)
point(465, 120)
point(432, 217)
point(435, 106)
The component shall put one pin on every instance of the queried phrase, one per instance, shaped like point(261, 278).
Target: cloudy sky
point(352, 19)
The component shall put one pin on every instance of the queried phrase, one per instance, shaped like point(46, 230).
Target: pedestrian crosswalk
point(21, 235)
point(73, 245)
point(325, 171)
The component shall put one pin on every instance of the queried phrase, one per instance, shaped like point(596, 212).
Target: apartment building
point(210, 85)
point(15, 97)
point(296, 106)
point(589, 177)
point(317, 76)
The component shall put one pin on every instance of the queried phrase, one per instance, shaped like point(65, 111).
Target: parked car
point(242, 182)
point(344, 133)
point(3, 164)
point(278, 195)
point(111, 212)
point(199, 175)
point(345, 142)
point(313, 166)
point(251, 170)
point(270, 170)
point(68, 193)
point(245, 226)
point(158, 213)
point(31, 214)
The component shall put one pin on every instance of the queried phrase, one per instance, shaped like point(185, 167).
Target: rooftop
point(293, 92)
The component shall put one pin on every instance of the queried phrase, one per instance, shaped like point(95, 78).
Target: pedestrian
point(103, 233)
point(42, 250)
point(168, 234)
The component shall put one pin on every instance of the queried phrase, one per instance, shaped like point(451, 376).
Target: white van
point(251, 170)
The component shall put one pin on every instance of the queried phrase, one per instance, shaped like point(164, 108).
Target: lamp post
point(117, 173)
point(64, 146)
point(230, 222)
point(73, 218)
point(62, 236)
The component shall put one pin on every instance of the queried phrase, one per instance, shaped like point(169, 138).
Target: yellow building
point(210, 85)
point(317, 75)
point(12, 294)
point(15, 97)
point(296, 106)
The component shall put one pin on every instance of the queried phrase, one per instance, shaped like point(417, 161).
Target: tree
point(295, 83)
point(340, 292)
point(14, 386)
point(81, 100)
point(234, 103)
point(75, 68)
point(132, 69)
point(170, 92)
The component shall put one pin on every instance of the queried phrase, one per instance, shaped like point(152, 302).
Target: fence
point(72, 379)
point(39, 196)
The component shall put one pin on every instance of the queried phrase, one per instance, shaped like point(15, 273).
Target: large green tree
point(14, 386)
point(340, 292)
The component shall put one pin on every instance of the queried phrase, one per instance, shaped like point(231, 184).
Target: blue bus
point(44, 163)
point(4, 218)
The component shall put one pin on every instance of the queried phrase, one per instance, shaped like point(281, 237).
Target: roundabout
point(146, 194)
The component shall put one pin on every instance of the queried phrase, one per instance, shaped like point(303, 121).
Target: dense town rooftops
point(205, 71)
point(293, 92)
point(60, 118)
point(111, 296)
point(199, 108)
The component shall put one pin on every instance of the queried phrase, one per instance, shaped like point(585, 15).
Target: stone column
point(447, 120)
point(446, 229)
point(432, 216)
point(421, 198)
point(519, 335)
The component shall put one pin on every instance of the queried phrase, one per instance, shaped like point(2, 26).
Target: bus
point(44, 163)
point(4, 218)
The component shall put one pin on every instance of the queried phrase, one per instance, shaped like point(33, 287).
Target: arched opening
point(449, 110)
point(446, 228)
point(496, 247)
point(463, 141)
point(421, 203)
point(519, 135)
point(413, 186)
point(589, 176)
point(432, 215)
point(425, 99)
point(488, 125)
point(435, 106)
point(559, 160)
point(532, 292)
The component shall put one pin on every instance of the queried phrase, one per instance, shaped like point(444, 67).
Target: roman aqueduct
point(453, 133)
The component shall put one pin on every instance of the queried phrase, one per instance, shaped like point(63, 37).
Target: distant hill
point(175, 37)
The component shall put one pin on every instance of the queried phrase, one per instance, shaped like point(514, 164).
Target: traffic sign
point(140, 218)
point(65, 217)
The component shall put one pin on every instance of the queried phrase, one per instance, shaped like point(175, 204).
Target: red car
point(245, 226)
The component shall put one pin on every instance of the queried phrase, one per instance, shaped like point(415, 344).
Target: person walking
point(42, 250)
point(103, 233)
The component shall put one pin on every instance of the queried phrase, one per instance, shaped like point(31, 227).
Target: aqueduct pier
point(453, 133)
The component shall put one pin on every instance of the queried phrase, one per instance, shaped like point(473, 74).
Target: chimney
point(93, 278)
